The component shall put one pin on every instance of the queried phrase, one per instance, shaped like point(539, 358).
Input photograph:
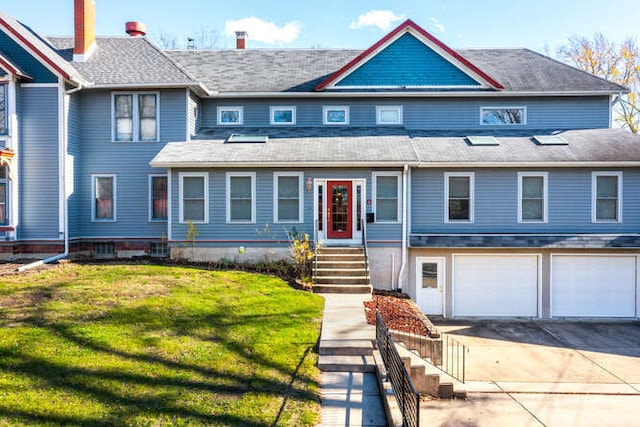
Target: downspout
point(403, 265)
point(63, 104)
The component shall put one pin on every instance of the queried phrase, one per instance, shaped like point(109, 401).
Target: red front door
point(339, 209)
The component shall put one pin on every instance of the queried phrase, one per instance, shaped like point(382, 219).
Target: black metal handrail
point(406, 394)
point(419, 336)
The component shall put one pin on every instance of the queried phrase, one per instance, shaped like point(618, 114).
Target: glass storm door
point(339, 210)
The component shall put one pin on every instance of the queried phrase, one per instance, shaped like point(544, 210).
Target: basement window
point(104, 249)
point(159, 249)
point(550, 140)
point(236, 138)
point(482, 140)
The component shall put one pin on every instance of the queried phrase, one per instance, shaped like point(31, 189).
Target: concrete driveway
point(544, 373)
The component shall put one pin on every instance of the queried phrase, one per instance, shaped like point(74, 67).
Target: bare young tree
point(617, 62)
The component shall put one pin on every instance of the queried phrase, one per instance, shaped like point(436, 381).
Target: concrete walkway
point(349, 398)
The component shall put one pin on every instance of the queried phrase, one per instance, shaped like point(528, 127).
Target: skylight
point(246, 139)
point(550, 140)
point(482, 140)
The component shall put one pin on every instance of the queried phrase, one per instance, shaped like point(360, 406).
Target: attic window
point(550, 140)
point(247, 139)
point(482, 140)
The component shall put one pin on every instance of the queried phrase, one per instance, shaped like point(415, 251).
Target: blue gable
point(408, 62)
point(23, 59)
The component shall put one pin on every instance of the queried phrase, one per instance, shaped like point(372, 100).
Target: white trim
point(188, 114)
point(62, 153)
point(169, 204)
point(504, 107)
point(594, 189)
point(251, 175)
point(135, 116)
point(441, 283)
point(300, 176)
point(114, 190)
point(205, 177)
point(274, 108)
point(471, 176)
point(56, 85)
point(150, 196)
point(327, 108)
point(381, 108)
point(374, 195)
point(238, 109)
point(545, 197)
point(407, 94)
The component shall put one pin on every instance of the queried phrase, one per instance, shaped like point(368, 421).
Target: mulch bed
point(400, 313)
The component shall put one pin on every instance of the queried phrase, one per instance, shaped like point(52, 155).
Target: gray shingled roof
point(393, 146)
point(294, 70)
point(263, 70)
point(40, 44)
point(125, 61)
point(565, 241)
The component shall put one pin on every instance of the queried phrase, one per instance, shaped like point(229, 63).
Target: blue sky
point(541, 25)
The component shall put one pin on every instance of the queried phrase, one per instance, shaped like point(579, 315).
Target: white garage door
point(593, 286)
point(492, 285)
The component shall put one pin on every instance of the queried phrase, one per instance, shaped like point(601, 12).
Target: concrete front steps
point(428, 379)
point(348, 355)
point(341, 270)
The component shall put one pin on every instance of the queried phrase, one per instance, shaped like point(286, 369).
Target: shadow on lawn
point(122, 404)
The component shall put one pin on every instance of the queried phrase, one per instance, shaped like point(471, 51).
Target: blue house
point(482, 182)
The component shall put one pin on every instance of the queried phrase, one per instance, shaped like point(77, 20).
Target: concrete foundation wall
point(233, 254)
point(384, 265)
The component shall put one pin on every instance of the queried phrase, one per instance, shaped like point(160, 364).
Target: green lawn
point(156, 345)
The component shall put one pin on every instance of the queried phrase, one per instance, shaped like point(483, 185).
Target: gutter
point(407, 94)
point(402, 272)
point(63, 228)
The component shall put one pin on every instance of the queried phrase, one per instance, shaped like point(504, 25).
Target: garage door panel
point(593, 286)
point(495, 285)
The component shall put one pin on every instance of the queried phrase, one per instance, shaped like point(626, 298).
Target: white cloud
point(382, 19)
point(263, 31)
point(437, 25)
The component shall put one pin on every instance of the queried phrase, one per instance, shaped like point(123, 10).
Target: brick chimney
point(241, 39)
point(84, 28)
point(135, 29)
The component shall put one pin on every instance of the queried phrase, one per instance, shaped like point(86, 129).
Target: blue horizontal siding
point(457, 114)
point(219, 231)
point(407, 62)
point(73, 165)
point(25, 61)
point(129, 161)
point(38, 160)
point(496, 203)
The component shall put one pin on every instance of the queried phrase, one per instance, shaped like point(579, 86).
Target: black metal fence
point(420, 337)
point(407, 396)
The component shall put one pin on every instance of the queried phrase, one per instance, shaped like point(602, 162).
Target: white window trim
point(374, 177)
point(594, 190)
point(181, 177)
point(472, 186)
point(300, 176)
point(504, 107)
point(7, 113)
point(239, 110)
point(327, 108)
point(275, 108)
point(136, 116)
point(545, 197)
point(398, 108)
point(150, 200)
point(93, 197)
point(251, 175)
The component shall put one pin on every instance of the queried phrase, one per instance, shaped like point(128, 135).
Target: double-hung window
point(241, 202)
point(287, 196)
point(194, 197)
point(4, 113)
point(158, 202)
point(135, 116)
point(459, 194)
point(103, 208)
point(386, 196)
point(4, 214)
point(606, 197)
point(532, 197)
